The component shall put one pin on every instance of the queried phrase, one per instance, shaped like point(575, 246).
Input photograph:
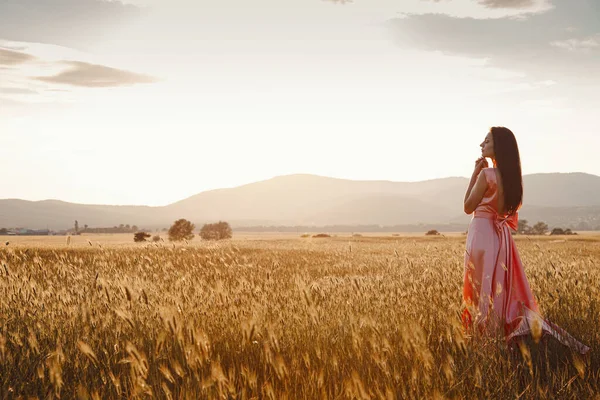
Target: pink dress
point(496, 292)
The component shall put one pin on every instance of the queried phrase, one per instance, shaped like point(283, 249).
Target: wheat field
point(282, 318)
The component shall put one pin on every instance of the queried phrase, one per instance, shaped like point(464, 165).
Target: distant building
point(25, 232)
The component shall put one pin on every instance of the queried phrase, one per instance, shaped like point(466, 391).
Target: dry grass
point(295, 318)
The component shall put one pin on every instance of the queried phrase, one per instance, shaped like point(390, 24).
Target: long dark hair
point(508, 162)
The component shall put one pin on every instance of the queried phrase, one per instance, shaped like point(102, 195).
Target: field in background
point(277, 316)
point(126, 239)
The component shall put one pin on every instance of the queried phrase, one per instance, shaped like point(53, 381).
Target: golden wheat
point(345, 317)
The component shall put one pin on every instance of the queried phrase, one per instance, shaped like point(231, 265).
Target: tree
point(218, 231)
point(140, 236)
point(182, 229)
point(523, 228)
point(76, 227)
point(432, 232)
point(540, 228)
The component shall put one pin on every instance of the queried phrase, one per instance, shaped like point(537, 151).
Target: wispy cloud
point(584, 45)
point(520, 4)
point(16, 90)
point(95, 76)
point(534, 46)
point(522, 7)
point(11, 57)
point(34, 73)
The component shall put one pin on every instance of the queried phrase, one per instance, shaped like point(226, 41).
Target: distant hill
point(562, 190)
point(568, 200)
point(298, 199)
point(55, 214)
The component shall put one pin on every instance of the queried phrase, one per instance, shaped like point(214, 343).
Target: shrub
point(140, 236)
point(321, 235)
point(182, 229)
point(156, 238)
point(220, 230)
point(305, 235)
point(560, 231)
point(432, 232)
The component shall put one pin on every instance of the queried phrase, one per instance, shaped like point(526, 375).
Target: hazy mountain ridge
point(558, 199)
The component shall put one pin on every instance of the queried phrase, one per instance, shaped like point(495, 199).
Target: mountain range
point(559, 199)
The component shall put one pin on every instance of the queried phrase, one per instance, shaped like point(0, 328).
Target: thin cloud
point(520, 4)
point(16, 90)
point(96, 76)
point(584, 45)
point(533, 5)
point(534, 46)
point(11, 57)
point(74, 23)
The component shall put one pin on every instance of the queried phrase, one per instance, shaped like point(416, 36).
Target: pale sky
point(152, 101)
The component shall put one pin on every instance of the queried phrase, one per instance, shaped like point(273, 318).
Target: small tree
point(560, 231)
point(182, 229)
point(218, 231)
point(140, 236)
point(524, 228)
point(540, 228)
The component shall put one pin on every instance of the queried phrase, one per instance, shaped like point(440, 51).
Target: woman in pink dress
point(496, 292)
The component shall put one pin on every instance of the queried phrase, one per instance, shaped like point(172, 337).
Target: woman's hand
point(480, 164)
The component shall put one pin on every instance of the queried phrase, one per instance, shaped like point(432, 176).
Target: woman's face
point(487, 146)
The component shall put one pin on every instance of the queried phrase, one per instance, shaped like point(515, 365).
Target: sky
point(149, 102)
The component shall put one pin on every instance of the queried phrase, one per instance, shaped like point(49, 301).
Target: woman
point(496, 292)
